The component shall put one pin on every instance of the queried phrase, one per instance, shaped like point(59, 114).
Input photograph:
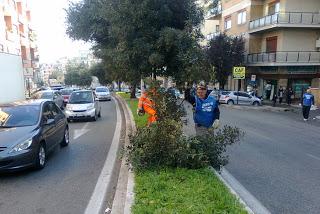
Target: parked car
point(83, 105)
point(174, 92)
point(66, 92)
point(29, 130)
point(54, 96)
point(102, 93)
point(243, 98)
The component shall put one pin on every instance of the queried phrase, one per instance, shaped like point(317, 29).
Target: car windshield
point(43, 95)
point(66, 91)
point(102, 90)
point(225, 93)
point(18, 116)
point(79, 97)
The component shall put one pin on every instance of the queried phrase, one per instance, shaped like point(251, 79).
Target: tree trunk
point(119, 85)
point(133, 91)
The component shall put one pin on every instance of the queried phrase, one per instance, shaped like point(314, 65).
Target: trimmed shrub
point(163, 143)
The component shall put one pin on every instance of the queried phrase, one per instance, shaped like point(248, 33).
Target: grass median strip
point(179, 190)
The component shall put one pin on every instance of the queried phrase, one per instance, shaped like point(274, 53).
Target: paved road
point(66, 184)
point(279, 159)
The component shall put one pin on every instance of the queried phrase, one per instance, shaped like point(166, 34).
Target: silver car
point(83, 105)
point(52, 95)
point(238, 97)
point(103, 93)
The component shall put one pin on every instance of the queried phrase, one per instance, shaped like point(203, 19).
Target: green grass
point(179, 191)
point(133, 105)
point(182, 191)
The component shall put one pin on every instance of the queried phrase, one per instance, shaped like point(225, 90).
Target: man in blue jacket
point(306, 102)
point(206, 111)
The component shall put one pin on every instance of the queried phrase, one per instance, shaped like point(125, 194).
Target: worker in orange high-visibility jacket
point(146, 105)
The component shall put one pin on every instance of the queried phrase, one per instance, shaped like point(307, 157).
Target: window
point(19, 5)
point(54, 109)
point(23, 52)
point(227, 23)
point(217, 28)
point(8, 22)
point(271, 44)
point(274, 7)
point(47, 114)
point(242, 17)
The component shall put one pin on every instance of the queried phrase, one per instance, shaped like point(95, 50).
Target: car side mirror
point(49, 122)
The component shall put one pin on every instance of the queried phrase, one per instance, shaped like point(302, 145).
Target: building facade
point(210, 27)
point(17, 37)
point(282, 42)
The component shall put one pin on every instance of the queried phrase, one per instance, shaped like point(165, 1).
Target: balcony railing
point(293, 18)
point(284, 57)
point(216, 10)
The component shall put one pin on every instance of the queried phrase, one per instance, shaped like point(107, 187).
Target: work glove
point(216, 124)
point(140, 112)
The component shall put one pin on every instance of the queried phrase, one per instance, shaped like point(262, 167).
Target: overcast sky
point(48, 17)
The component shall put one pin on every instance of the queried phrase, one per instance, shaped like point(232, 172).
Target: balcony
point(287, 20)
point(284, 58)
point(11, 36)
point(27, 63)
point(215, 12)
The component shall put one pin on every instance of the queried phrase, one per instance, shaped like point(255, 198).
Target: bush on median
point(163, 143)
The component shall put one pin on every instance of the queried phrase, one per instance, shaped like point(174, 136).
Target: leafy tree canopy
point(224, 52)
point(136, 38)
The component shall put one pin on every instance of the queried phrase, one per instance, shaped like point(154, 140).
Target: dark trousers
point(280, 100)
point(306, 111)
point(289, 100)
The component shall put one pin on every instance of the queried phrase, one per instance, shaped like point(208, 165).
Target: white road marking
point(79, 132)
point(98, 196)
point(314, 157)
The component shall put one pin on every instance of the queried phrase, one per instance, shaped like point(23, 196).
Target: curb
point(251, 204)
point(124, 196)
point(104, 183)
point(260, 108)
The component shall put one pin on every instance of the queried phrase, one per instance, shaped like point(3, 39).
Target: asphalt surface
point(278, 161)
point(66, 184)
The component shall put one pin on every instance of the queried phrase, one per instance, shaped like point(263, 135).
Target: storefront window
point(299, 87)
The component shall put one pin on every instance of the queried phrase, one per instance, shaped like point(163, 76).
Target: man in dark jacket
point(306, 102)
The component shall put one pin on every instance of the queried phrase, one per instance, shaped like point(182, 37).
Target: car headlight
point(91, 107)
point(68, 107)
point(21, 146)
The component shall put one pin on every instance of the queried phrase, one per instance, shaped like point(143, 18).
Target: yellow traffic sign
point(239, 73)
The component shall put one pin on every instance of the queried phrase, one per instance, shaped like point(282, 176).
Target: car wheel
point(66, 139)
point(256, 103)
point(230, 102)
point(41, 158)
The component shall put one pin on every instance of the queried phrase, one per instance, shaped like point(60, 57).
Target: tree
point(225, 52)
point(99, 70)
point(137, 38)
point(77, 74)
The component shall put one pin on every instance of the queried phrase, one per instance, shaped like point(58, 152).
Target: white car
point(83, 105)
point(103, 93)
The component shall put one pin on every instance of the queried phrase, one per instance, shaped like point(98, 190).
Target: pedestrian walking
point(280, 94)
point(306, 102)
point(274, 100)
point(206, 111)
point(289, 96)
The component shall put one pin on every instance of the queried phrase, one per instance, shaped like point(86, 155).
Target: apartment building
point(17, 37)
point(282, 42)
point(210, 27)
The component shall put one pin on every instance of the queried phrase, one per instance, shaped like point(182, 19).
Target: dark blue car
point(29, 130)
